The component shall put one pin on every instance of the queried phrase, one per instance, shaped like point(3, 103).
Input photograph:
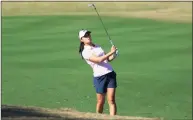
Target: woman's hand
point(113, 49)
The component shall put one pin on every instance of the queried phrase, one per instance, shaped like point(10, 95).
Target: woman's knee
point(111, 101)
point(111, 95)
point(100, 101)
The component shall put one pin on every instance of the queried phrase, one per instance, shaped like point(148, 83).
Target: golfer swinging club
point(104, 77)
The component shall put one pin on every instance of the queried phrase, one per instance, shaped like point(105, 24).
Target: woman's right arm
point(100, 59)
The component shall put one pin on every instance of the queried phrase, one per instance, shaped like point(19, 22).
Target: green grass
point(41, 65)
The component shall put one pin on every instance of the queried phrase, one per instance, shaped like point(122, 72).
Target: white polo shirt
point(99, 69)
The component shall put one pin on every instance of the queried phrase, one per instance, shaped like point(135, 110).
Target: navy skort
point(103, 82)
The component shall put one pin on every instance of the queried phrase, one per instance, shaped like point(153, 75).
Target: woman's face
point(87, 38)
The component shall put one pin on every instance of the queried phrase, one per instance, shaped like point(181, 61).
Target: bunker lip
point(25, 112)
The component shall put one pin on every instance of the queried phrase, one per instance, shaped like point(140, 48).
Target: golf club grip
point(111, 42)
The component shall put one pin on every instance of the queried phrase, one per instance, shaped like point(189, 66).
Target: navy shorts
point(106, 81)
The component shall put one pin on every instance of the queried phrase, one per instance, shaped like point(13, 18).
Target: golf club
point(111, 42)
point(92, 5)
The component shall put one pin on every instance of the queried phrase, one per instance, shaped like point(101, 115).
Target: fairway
point(41, 66)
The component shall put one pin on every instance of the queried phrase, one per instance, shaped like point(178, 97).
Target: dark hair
point(81, 48)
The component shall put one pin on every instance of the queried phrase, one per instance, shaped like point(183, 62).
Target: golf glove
point(116, 53)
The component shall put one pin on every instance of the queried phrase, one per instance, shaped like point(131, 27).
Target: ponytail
point(81, 48)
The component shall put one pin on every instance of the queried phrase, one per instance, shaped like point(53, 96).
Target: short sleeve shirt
point(99, 69)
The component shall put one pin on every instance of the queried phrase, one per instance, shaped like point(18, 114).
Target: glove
point(116, 53)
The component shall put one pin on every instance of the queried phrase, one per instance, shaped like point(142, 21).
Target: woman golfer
point(104, 77)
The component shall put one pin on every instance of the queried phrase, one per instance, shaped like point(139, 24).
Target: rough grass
point(175, 11)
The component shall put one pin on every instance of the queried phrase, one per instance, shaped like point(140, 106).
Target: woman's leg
point(100, 102)
point(111, 101)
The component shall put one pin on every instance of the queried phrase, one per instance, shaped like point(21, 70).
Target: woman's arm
point(100, 59)
point(111, 58)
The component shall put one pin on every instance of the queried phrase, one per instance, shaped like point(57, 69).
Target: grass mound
point(11, 112)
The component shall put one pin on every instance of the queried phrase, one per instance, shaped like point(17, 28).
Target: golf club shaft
point(103, 25)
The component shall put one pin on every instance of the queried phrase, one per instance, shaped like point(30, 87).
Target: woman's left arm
point(111, 58)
